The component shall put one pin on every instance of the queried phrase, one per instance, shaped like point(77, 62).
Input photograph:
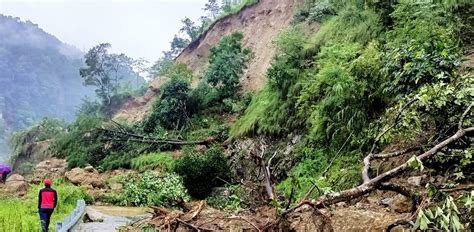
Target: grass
point(21, 214)
point(162, 160)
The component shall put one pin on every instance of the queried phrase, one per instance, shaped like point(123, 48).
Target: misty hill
point(39, 76)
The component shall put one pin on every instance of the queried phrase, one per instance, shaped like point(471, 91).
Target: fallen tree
point(370, 184)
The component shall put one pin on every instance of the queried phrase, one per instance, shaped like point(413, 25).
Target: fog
point(136, 28)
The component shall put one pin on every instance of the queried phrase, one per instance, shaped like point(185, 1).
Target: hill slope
point(39, 76)
point(266, 18)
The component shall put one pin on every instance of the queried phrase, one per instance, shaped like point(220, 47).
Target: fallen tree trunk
point(374, 183)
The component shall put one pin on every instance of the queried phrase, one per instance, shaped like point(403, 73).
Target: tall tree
point(213, 8)
point(106, 71)
point(190, 28)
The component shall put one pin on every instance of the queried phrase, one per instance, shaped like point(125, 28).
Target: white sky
point(140, 28)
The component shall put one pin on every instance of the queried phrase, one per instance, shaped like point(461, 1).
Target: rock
point(341, 204)
point(359, 205)
point(305, 220)
point(415, 180)
point(90, 177)
point(387, 201)
point(16, 184)
point(51, 168)
point(92, 215)
point(89, 169)
point(401, 204)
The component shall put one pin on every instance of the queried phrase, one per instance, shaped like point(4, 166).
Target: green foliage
point(21, 214)
point(320, 11)
point(162, 160)
point(107, 72)
point(227, 62)
point(203, 172)
point(171, 109)
point(150, 189)
point(422, 48)
point(350, 25)
point(445, 218)
point(76, 146)
point(231, 197)
point(312, 163)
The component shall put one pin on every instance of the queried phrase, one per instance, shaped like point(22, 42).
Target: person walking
point(47, 201)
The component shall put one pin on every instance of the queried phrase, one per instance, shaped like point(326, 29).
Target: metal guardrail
point(73, 218)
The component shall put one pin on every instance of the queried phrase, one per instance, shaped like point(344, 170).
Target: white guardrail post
point(71, 220)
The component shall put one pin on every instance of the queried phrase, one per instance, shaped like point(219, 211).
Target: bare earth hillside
point(260, 24)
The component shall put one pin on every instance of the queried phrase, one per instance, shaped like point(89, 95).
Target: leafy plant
point(203, 172)
point(444, 218)
point(150, 189)
point(162, 160)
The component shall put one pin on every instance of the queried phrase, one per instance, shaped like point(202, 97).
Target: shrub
point(350, 25)
point(170, 110)
point(203, 172)
point(162, 160)
point(320, 11)
point(422, 48)
point(227, 62)
point(150, 189)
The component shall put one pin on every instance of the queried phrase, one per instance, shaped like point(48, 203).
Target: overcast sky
point(140, 28)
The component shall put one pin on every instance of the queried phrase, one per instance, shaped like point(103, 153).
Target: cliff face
point(260, 24)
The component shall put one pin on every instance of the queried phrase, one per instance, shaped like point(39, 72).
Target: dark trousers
point(45, 216)
point(4, 178)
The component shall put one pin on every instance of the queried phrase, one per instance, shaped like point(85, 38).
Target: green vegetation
point(151, 189)
point(22, 214)
point(162, 160)
point(202, 172)
point(346, 83)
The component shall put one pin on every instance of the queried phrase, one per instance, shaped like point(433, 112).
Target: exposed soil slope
point(259, 23)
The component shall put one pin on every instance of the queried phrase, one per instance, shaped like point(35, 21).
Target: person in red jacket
point(47, 201)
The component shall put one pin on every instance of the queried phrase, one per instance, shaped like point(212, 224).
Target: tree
point(227, 62)
point(106, 71)
point(190, 28)
point(213, 8)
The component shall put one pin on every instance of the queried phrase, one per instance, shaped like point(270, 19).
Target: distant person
point(4, 176)
point(47, 201)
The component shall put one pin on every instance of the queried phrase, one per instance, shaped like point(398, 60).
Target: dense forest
point(38, 76)
point(360, 97)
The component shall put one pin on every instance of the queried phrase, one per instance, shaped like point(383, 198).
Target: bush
point(320, 11)
point(350, 25)
point(201, 173)
point(170, 110)
point(227, 62)
point(150, 189)
point(423, 47)
point(162, 160)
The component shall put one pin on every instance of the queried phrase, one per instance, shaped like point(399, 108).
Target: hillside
point(266, 18)
point(293, 116)
point(39, 77)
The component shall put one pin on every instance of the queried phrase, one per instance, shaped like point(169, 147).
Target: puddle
point(111, 218)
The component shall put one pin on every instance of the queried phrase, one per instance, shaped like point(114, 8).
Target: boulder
point(16, 184)
point(86, 176)
point(415, 180)
point(51, 168)
point(401, 204)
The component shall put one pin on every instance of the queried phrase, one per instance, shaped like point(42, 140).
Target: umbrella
point(5, 168)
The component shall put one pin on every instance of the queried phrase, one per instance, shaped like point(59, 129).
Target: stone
point(79, 176)
point(89, 169)
point(415, 180)
point(341, 204)
point(51, 168)
point(401, 204)
point(16, 184)
point(387, 201)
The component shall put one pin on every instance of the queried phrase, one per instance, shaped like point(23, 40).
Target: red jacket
point(48, 198)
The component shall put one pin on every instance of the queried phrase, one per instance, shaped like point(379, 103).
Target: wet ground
point(110, 218)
